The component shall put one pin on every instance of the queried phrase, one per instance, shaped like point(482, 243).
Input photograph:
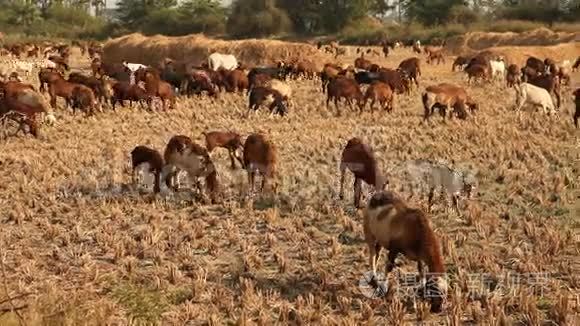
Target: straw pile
point(196, 48)
point(477, 41)
point(518, 47)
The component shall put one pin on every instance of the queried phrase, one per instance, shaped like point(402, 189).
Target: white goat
point(537, 96)
point(498, 69)
point(432, 175)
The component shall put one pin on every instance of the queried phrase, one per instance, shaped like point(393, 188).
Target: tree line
point(263, 18)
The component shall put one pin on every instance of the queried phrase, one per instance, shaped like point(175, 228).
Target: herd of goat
point(388, 221)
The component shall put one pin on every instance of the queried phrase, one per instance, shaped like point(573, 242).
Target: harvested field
point(80, 246)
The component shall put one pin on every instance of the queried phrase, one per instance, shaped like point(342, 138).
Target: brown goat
point(359, 158)
point(236, 80)
point(305, 68)
point(123, 91)
point(59, 87)
point(182, 153)
point(476, 71)
point(362, 63)
point(412, 68)
point(143, 154)
point(382, 93)
point(461, 62)
point(268, 96)
point(225, 139)
point(83, 98)
point(342, 87)
point(446, 96)
point(154, 86)
point(389, 223)
point(435, 55)
point(513, 75)
point(260, 156)
point(46, 76)
point(101, 86)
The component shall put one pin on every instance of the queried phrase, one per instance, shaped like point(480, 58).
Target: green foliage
point(56, 20)
point(257, 18)
point(142, 304)
point(430, 12)
point(461, 14)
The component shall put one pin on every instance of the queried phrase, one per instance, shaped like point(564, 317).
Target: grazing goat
point(260, 156)
point(412, 68)
point(513, 75)
point(460, 62)
point(123, 91)
point(154, 86)
point(382, 93)
point(446, 96)
point(82, 97)
point(359, 158)
point(476, 71)
point(497, 69)
point(438, 175)
point(550, 83)
point(182, 153)
point(389, 223)
point(225, 139)
point(217, 60)
point(537, 96)
point(342, 87)
point(266, 96)
point(435, 55)
point(536, 64)
point(143, 154)
point(577, 102)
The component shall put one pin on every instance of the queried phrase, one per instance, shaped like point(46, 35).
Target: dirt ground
point(80, 246)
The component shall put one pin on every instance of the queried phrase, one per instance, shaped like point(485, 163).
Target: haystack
point(196, 48)
point(477, 41)
point(518, 47)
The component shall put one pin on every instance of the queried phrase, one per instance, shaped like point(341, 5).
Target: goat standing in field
point(359, 158)
point(537, 96)
point(182, 153)
point(228, 140)
point(260, 156)
point(389, 223)
point(143, 154)
point(438, 175)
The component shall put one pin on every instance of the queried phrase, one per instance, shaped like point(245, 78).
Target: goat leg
point(357, 192)
point(456, 204)
point(430, 199)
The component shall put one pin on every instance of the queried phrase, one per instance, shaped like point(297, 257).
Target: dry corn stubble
point(74, 235)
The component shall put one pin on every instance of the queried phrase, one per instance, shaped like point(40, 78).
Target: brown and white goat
point(260, 156)
point(359, 158)
point(225, 139)
point(389, 223)
point(182, 153)
point(143, 154)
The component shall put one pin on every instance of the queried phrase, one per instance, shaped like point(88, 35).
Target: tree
point(430, 12)
point(132, 13)
point(204, 16)
point(257, 18)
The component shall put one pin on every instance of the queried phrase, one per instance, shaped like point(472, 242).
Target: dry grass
point(86, 249)
point(196, 48)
